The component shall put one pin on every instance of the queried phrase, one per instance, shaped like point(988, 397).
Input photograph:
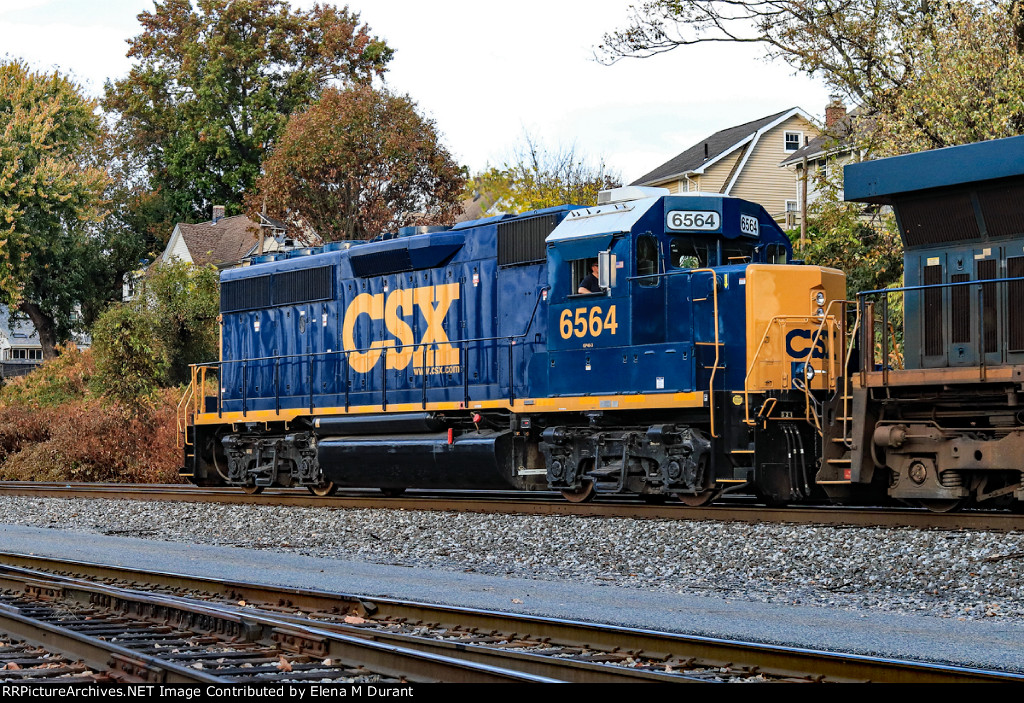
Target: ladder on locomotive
point(832, 418)
point(834, 421)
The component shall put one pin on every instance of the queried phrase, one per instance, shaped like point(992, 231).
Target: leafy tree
point(185, 300)
point(151, 341)
point(936, 74)
point(968, 83)
point(536, 177)
point(359, 162)
point(867, 248)
point(213, 86)
point(51, 260)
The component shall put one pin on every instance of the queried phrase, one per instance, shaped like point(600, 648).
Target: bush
point(185, 301)
point(130, 357)
point(57, 381)
point(54, 428)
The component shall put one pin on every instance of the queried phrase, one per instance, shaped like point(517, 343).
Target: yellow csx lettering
point(432, 301)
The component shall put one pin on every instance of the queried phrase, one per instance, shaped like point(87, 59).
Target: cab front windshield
point(690, 252)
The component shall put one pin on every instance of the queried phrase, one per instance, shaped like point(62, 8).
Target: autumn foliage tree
point(359, 162)
point(213, 85)
point(50, 194)
point(536, 177)
point(934, 74)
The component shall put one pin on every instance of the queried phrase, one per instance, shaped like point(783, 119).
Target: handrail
point(459, 344)
point(718, 347)
point(825, 320)
point(951, 284)
point(180, 420)
point(831, 359)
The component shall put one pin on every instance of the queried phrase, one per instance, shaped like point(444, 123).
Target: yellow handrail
point(826, 320)
point(718, 347)
point(181, 418)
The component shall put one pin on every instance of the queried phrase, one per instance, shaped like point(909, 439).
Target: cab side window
point(647, 259)
point(584, 277)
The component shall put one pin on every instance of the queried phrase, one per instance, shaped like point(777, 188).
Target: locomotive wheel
point(252, 489)
point(322, 490)
point(580, 495)
point(392, 492)
point(943, 506)
point(698, 499)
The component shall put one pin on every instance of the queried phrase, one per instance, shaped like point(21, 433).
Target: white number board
point(700, 220)
point(750, 225)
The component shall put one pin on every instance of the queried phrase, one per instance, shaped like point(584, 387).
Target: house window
point(792, 206)
point(793, 141)
point(30, 354)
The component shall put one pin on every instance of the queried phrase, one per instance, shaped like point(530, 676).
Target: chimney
point(218, 213)
point(835, 111)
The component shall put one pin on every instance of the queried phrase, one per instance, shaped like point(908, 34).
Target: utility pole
point(803, 208)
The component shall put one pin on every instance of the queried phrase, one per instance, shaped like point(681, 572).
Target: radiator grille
point(287, 288)
point(933, 344)
point(381, 263)
point(1015, 303)
point(245, 294)
point(303, 286)
point(937, 219)
point(990, 305)
point(522, 241)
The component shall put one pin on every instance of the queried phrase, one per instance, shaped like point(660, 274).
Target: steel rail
point(536, 665)
point(534, 504)
point(791, 662)
point(122, 664)
point(376, 657)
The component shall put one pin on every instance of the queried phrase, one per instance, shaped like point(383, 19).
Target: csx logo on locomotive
point(798, 344)
point(433, 302)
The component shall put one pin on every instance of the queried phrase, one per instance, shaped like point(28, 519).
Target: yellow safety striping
point(525, 405)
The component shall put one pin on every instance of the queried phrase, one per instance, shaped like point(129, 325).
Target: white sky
point(485, 71)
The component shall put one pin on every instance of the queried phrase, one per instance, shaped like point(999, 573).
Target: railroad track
point(133, 626)
point(543, 504)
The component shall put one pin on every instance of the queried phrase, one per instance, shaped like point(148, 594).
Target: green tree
point(866, 248)
point(357, 163)
point(212, 88)
point(185, 299)
point(537, 177)
point(967, 86)
point(51, 257)
point(151, 341)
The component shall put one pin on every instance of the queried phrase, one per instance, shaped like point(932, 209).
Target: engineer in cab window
point(589, 283)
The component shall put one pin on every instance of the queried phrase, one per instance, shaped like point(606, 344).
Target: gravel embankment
point(966, 575)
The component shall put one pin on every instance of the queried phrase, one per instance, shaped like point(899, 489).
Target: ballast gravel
point(952, 574)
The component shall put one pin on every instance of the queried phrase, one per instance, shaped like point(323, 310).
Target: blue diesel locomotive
point(468, 357)
point(703, 360)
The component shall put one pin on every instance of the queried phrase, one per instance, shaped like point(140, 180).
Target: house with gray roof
point(742, 161)
point(224, 242)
